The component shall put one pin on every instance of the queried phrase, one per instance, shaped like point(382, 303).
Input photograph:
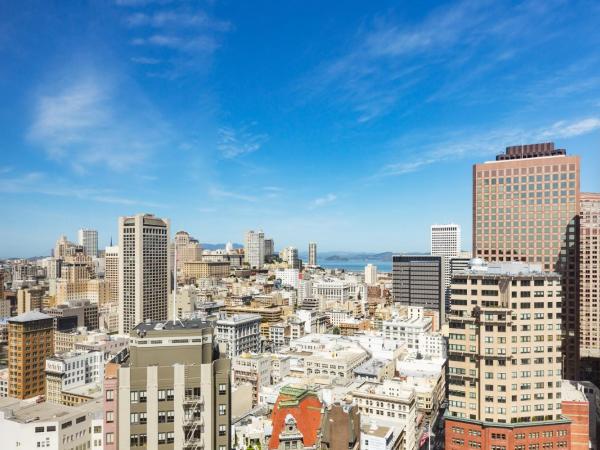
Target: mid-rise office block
point(525, 208)
point(88, 239)
point(239, 333)
point(418, 281)
point(30, 342)
point(504, 358)
point(446, 241)
point(144, 270)
point(173, 392)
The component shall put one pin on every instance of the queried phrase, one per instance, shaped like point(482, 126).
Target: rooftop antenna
point(175, 318)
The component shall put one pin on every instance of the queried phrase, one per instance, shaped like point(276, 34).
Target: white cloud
point(322, 201)
point(177, 19)
point(85, 124)
point(43, 184)
point(565, 129)
point(233, 143)
point(222, 193)
point(481, 144)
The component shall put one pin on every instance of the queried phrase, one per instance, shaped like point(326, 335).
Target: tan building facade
point(199, 269)
point(30, 342)
point(505, 356)
point(525, 208)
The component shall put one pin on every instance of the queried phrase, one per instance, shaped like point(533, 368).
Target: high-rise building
point(589, 269)
point(172, 392)
point(504, 382)
point(269, 249)
point(370, 274)
point(312, 253)
point(111, 272)
point(291, 257)
point(88, 239)
point(418, 281)
point(445, 240)
point(144, 270)
point(30, 342)
point(63, 247)
point(525, 208)
point(254, 249)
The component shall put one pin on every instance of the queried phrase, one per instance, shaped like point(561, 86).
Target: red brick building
point(464, 433)
point(305, 407)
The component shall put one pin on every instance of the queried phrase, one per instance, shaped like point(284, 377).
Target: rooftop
point(29, 316)
point(28, 411)
point(187, 324)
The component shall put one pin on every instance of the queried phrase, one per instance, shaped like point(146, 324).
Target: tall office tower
point(525, 208)
point(188, 249)
point(269, 248)
point(445, 241)
point(589, 284)
point(144, 270)
point(254, 249)
point(418, 281)
point(111, 272)
point(370, 274)
point(312, 253)
point(88, 239)
point(291, 257)
point(30, 341)
point(173, 391)
point(504, 358)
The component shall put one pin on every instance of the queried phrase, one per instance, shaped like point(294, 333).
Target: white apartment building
point(370, 274)
point(446, 242)
point(254, 369)
point(288, 277)
point(337, 290)
point(254, 249)
point(240, 333)
point(144, 270)
point(88, 239)
point(391, 402)
point(406, 330)
point(29, 425)
point(67, 371)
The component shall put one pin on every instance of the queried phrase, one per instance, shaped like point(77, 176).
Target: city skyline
point(226, 118)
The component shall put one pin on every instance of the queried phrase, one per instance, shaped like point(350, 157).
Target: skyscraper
point(88, 239)
point(504, 359)
point(446, 241)
point(312, 253)
point(418, 281)
point(525, 208)
point(254, 249)
point(30, 341)
point(144, 270)
point(370, 274)
point(589, 265)
point(269, 249)
point(111, 272)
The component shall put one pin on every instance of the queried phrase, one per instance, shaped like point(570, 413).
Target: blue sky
point(353, 124)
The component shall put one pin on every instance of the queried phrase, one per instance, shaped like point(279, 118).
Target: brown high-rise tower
point(526, 208)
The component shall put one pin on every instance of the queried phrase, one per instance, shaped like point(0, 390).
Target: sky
point(352, 124)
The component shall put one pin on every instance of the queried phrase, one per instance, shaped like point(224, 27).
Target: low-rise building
point(239, 333)
point(254, 369)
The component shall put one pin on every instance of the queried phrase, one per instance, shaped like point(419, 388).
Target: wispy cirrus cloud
point(322, 201)
point(177, 19)
point(83, 124)
point(220, 193)
point(443, 55)
point(42, 184)
point(237, 142)
point(483, 144)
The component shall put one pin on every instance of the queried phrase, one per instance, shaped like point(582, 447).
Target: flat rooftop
point(27, 411)
point(180, 325)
